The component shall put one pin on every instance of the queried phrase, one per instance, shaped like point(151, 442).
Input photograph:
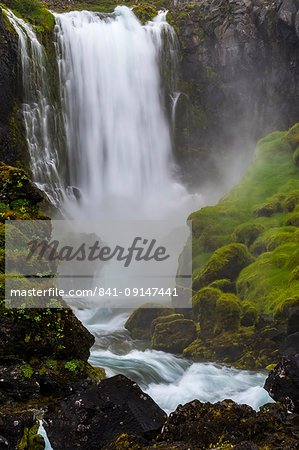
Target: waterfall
point(41, 117)
point(118, 140)
point(104, 148)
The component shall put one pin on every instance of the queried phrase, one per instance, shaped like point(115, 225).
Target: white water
point(116, 163)
point(118, 139)
point(168, 379)
point(40, 114)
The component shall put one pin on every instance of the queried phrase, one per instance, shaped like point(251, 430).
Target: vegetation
point(33, 11)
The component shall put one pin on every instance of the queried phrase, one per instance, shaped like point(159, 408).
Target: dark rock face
point(95, 415)
point(198, 425)
point(13, 425)
point(10, 94)
point(239, 72)
point(283, 383)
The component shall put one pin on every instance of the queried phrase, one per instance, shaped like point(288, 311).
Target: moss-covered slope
point(261, 213)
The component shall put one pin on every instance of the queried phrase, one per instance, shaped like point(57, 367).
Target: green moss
point(250, 315)
point(173, 336)
point(95, 373)
point(33, 11)
point(204, 308)
point(271, 206)
point(292, 220)
point(292, 136)
point(296, 157)
point(164, 319)
point(265, 282)
point(272, 179)
point(291, 201)
point(139, 322)
point(31, 440)
point(247, 233)
point(226, 262)
point(145, 13)
point(273, 238)
point(282, 310)
point(228, 312)
point(27, 370)
point(224, 285)
point(74, 365)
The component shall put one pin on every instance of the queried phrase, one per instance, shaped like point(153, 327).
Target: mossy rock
point(204, 308)
point(292, 136)
point(282, 310)
point(249, 316)
point(291, 201)
point(296, 157)
point(15, 184)
point(226, 262)
point(264, 283)
point(95, 373)
point(31, 440)
point(224, 285)
point(293, 220)
point(247, 233)
point(174, 336)
point(164, 319)
point(294, 276)
point(126, 442)
point(139, 322)
point(32, 11)
point(271, 206)
point(273, 238)
point(228, 312)
point(145, 13)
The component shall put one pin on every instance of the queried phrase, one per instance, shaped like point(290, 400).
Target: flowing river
point(100, 148)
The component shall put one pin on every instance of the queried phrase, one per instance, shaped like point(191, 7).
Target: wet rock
point(9, 92)
point(14, 425)
point(3, 442)
point(200, 425)
point(139, 322)
point(283, 383)
point(293, 320)
point(173, 335)
point(14, 385)
point(226, 262)
point(290, 345)
point(96, 415)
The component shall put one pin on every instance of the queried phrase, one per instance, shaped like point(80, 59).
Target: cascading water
point(118, 140)
point(104, 150)
point(41, 116)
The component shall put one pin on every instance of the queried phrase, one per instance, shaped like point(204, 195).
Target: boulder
point(290, 345)
point(139, 322)
point(283, 383)
point(226, 262)
point(96, 415)
point(229, 425)
point(174, 335)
